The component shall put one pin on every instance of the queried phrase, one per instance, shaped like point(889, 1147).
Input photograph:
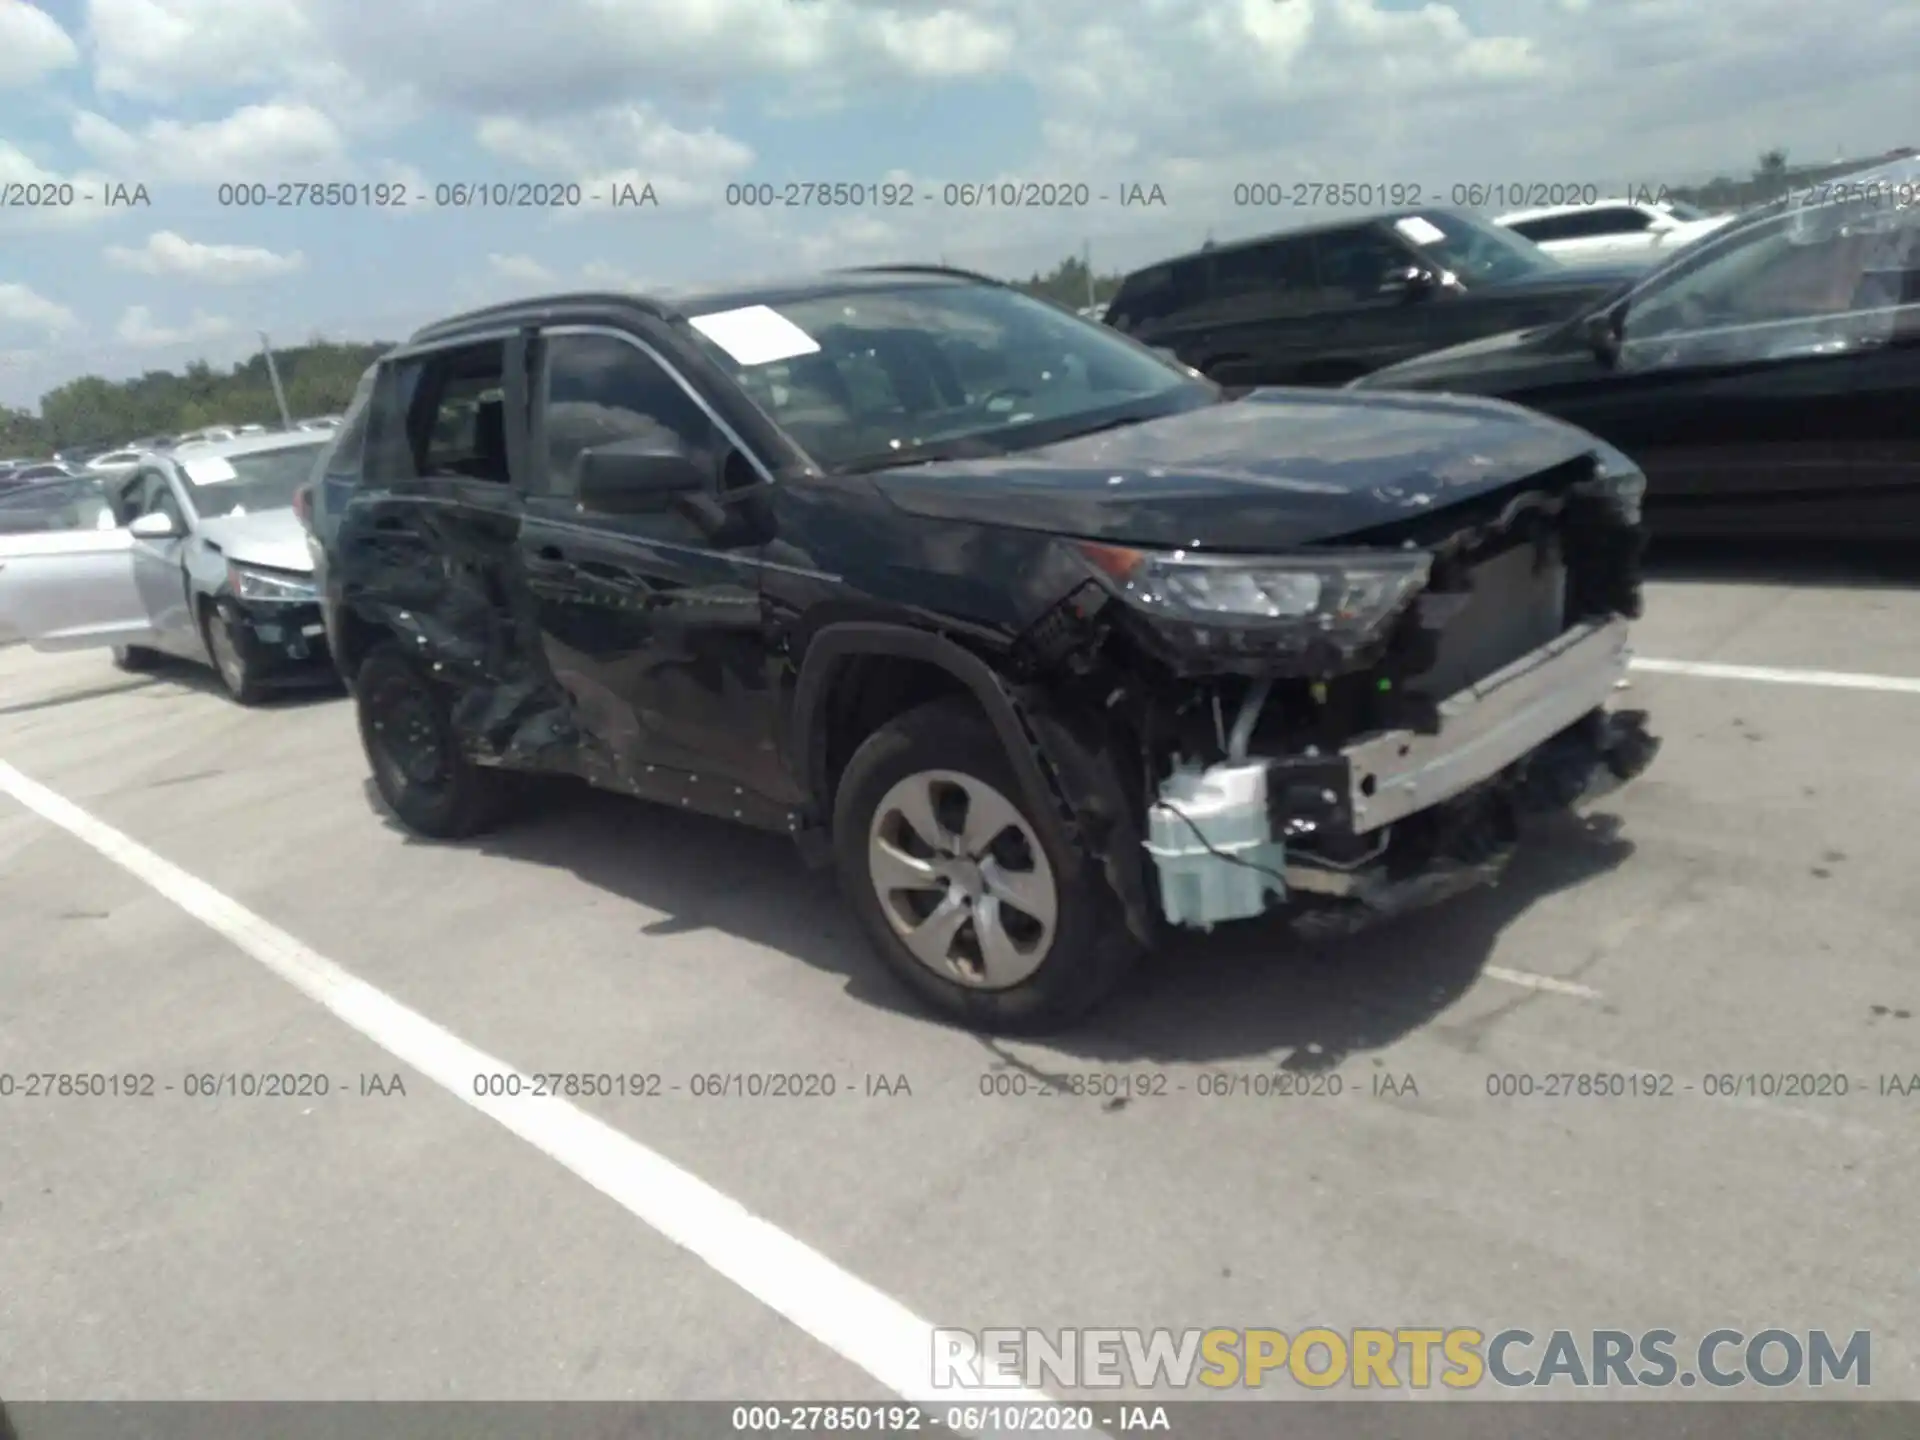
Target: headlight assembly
point(1289, 600)
point(285, 586)
point(1620, 480)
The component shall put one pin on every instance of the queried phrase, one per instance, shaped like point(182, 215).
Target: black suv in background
point(1043, 642)
point(1322, 306)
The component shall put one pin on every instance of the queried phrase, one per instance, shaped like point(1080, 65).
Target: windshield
point(875, 376)
point(246, 484)
point(1475, 250)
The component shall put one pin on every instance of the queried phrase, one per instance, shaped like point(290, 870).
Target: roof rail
point(953, 270)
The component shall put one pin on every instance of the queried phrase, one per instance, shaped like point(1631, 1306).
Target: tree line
point(320, 376)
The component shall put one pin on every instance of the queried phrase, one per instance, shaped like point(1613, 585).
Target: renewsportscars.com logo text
point(1459, 1358)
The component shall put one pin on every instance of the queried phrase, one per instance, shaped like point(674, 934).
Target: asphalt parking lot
point(1746, 908)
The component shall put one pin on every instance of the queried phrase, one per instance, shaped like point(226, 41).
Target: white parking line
point(1527, 980)
point(837, 1308)
point(1774, 675)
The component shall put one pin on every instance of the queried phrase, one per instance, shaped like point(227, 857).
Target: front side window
point(246, 484)
point(1476, 251)
point(870, 377)
point(1358, 262)
point(602, 390)
point(1780, 288)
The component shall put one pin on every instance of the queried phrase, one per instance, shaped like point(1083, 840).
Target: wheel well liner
point(1063, 781)
point(819, 699)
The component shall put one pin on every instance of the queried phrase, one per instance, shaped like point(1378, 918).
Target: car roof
point(676, 303)
point(1554, 212)
point(1301, 232)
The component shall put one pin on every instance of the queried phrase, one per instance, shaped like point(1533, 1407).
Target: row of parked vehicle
point(83, 460)
point(1764, 374)
point(1043, 638)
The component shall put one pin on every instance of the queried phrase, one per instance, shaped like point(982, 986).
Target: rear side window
point(348, 450)
point(441, 415)
point(1549, 228)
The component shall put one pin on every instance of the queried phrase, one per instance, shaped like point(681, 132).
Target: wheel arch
point(1064, 781)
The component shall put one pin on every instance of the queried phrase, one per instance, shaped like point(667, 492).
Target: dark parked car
point(1043, 642)
point(26, 472)
point(1767, 379)
point(1321, 306)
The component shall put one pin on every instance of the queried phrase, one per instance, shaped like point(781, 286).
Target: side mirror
point(634, 476)
point(1602, 332)
point(1414, 282)
point(153, 526)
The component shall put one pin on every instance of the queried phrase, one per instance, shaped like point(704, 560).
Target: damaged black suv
point(1040, 639)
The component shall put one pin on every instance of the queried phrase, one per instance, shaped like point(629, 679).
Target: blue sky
point(691, 95)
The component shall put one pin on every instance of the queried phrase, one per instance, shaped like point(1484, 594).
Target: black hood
point(1595, 280)
point(1274, 470)
point(1466, 366)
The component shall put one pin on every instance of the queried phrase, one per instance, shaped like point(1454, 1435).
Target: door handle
point(550, 552)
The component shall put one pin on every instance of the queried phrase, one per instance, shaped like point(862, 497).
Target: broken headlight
point(1342, 597)
point(252, 583)
point(1618, 479)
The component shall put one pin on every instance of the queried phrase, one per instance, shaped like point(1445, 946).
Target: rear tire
point(950, 931)
point(419, 767)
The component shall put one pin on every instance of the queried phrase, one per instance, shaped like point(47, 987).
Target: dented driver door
point(650, 617)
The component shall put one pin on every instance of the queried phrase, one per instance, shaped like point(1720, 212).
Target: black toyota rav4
point(1042, 641)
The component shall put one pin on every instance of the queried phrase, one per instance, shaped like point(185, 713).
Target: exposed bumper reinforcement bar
point(1485, 727)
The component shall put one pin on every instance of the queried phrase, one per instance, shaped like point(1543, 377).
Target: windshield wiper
point(970, 449)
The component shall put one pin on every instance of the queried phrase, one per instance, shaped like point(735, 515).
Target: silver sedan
point(195, 555)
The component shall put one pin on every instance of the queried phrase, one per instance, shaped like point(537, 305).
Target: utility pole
point(273, 374)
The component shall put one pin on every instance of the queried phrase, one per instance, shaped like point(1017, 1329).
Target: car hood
point(272, 538)
point(1570, 279)
point(1436, 367)
point(1273, 470)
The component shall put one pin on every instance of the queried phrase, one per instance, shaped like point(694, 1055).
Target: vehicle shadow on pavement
point(1784, 562)
point(189, 676)
point(1245, 991)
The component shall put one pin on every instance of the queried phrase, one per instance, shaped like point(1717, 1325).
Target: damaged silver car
point(1044, 643)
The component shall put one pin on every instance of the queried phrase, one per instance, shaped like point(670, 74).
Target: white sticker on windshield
point(1420, 232)
point(210, 470)
point(756, 335)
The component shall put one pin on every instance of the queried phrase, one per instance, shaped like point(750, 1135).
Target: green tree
point(319, 379)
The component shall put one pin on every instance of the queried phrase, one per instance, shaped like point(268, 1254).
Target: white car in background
point(1613, 231)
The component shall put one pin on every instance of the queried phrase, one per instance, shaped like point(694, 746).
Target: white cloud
point(138, 327)
point(519, 269)
point(599, 275)
point(32, 45)
point(25, 178)
point(168, 253)
point(160, 49)
point(620, 146)
point(269, 142)
point(23, 308)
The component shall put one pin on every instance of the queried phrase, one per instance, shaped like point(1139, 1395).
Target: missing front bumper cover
point(1230, 840)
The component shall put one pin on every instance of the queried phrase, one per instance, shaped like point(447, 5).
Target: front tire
point(963, 896)
point(419, 768)
point(232, 655)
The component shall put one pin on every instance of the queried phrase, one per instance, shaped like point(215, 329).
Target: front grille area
point(1515, 602)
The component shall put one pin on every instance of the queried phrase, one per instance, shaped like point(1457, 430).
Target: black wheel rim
point(408, 745)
